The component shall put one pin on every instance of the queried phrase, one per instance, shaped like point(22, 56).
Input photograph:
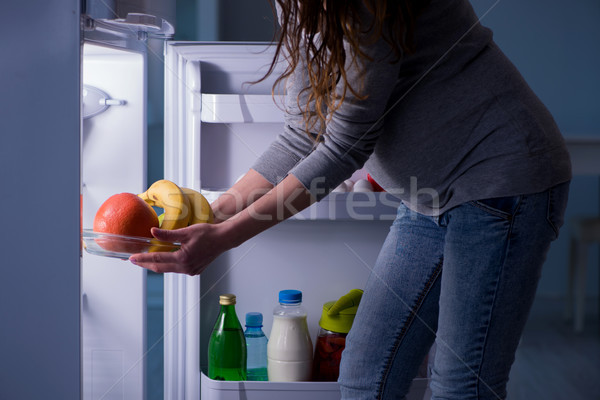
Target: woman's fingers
point(192, 258)
point(160, 262)
point(169, 235)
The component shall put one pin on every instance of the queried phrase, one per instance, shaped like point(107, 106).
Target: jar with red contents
point(335, 323)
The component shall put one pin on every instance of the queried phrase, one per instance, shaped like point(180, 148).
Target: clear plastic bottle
point(290, 349)
point(256, 347)
point(227, 345)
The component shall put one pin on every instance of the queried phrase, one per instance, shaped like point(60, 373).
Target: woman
point(422, 95)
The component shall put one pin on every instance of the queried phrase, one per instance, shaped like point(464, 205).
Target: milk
point(290, 350)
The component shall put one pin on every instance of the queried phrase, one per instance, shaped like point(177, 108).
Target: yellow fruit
point(168, 196)
point(199, 207)
point(158, 246)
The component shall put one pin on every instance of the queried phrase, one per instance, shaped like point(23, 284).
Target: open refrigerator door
point(113, 160)
point(216, 125)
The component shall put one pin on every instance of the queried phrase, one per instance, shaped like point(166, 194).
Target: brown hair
point(315, 30)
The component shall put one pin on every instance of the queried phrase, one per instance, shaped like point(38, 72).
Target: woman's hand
point(200, 245)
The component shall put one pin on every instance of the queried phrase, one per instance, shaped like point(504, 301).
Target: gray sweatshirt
point(451, 123)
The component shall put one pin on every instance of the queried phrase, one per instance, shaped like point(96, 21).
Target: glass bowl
point(122, 246)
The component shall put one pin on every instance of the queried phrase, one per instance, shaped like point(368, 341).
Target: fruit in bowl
point(132, 217)
point(182, 207)
point(124, 214)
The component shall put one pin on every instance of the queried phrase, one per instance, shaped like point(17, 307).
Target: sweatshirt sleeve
point(351, 133)
point(293, 144)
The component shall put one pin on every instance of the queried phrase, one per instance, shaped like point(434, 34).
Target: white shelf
point(339, 206)
point(240, 108)
point(229, 390)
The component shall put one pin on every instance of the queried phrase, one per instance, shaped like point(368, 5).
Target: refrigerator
point(114, 144)
point(216, 124)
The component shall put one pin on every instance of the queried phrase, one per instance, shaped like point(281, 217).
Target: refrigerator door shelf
point(222, 390)
point(240, 108)
point(340, 206)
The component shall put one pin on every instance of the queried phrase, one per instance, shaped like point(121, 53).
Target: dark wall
point(245, 20)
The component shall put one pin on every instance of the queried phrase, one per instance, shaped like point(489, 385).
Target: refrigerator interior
point(216, 125)
point(113, 304)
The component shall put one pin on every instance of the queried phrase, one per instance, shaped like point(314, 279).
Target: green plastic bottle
point(227, 345)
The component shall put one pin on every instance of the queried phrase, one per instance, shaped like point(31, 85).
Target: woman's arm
point(202, 243)
point(244, 192)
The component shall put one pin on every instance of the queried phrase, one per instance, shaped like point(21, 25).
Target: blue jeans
point(465, 279)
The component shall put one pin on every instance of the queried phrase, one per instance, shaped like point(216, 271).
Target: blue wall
point(556, 46)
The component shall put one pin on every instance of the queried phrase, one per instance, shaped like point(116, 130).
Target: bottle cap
point(227, 299)
point(254, 319)
point(338, 316)
point(290, 296)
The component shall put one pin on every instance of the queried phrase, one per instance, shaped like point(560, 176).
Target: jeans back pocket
point(503, 207)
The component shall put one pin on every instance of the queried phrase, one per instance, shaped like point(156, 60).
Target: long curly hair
point(315, 31)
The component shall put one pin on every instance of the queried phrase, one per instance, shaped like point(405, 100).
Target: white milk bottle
point(290, 350)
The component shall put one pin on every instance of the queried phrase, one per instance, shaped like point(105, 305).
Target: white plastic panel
point(220, 390)
point(240, 108)
point(113, 159)
point(227, 151)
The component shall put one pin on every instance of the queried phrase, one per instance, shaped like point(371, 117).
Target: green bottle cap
point(337, 316)
point(227, 299)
